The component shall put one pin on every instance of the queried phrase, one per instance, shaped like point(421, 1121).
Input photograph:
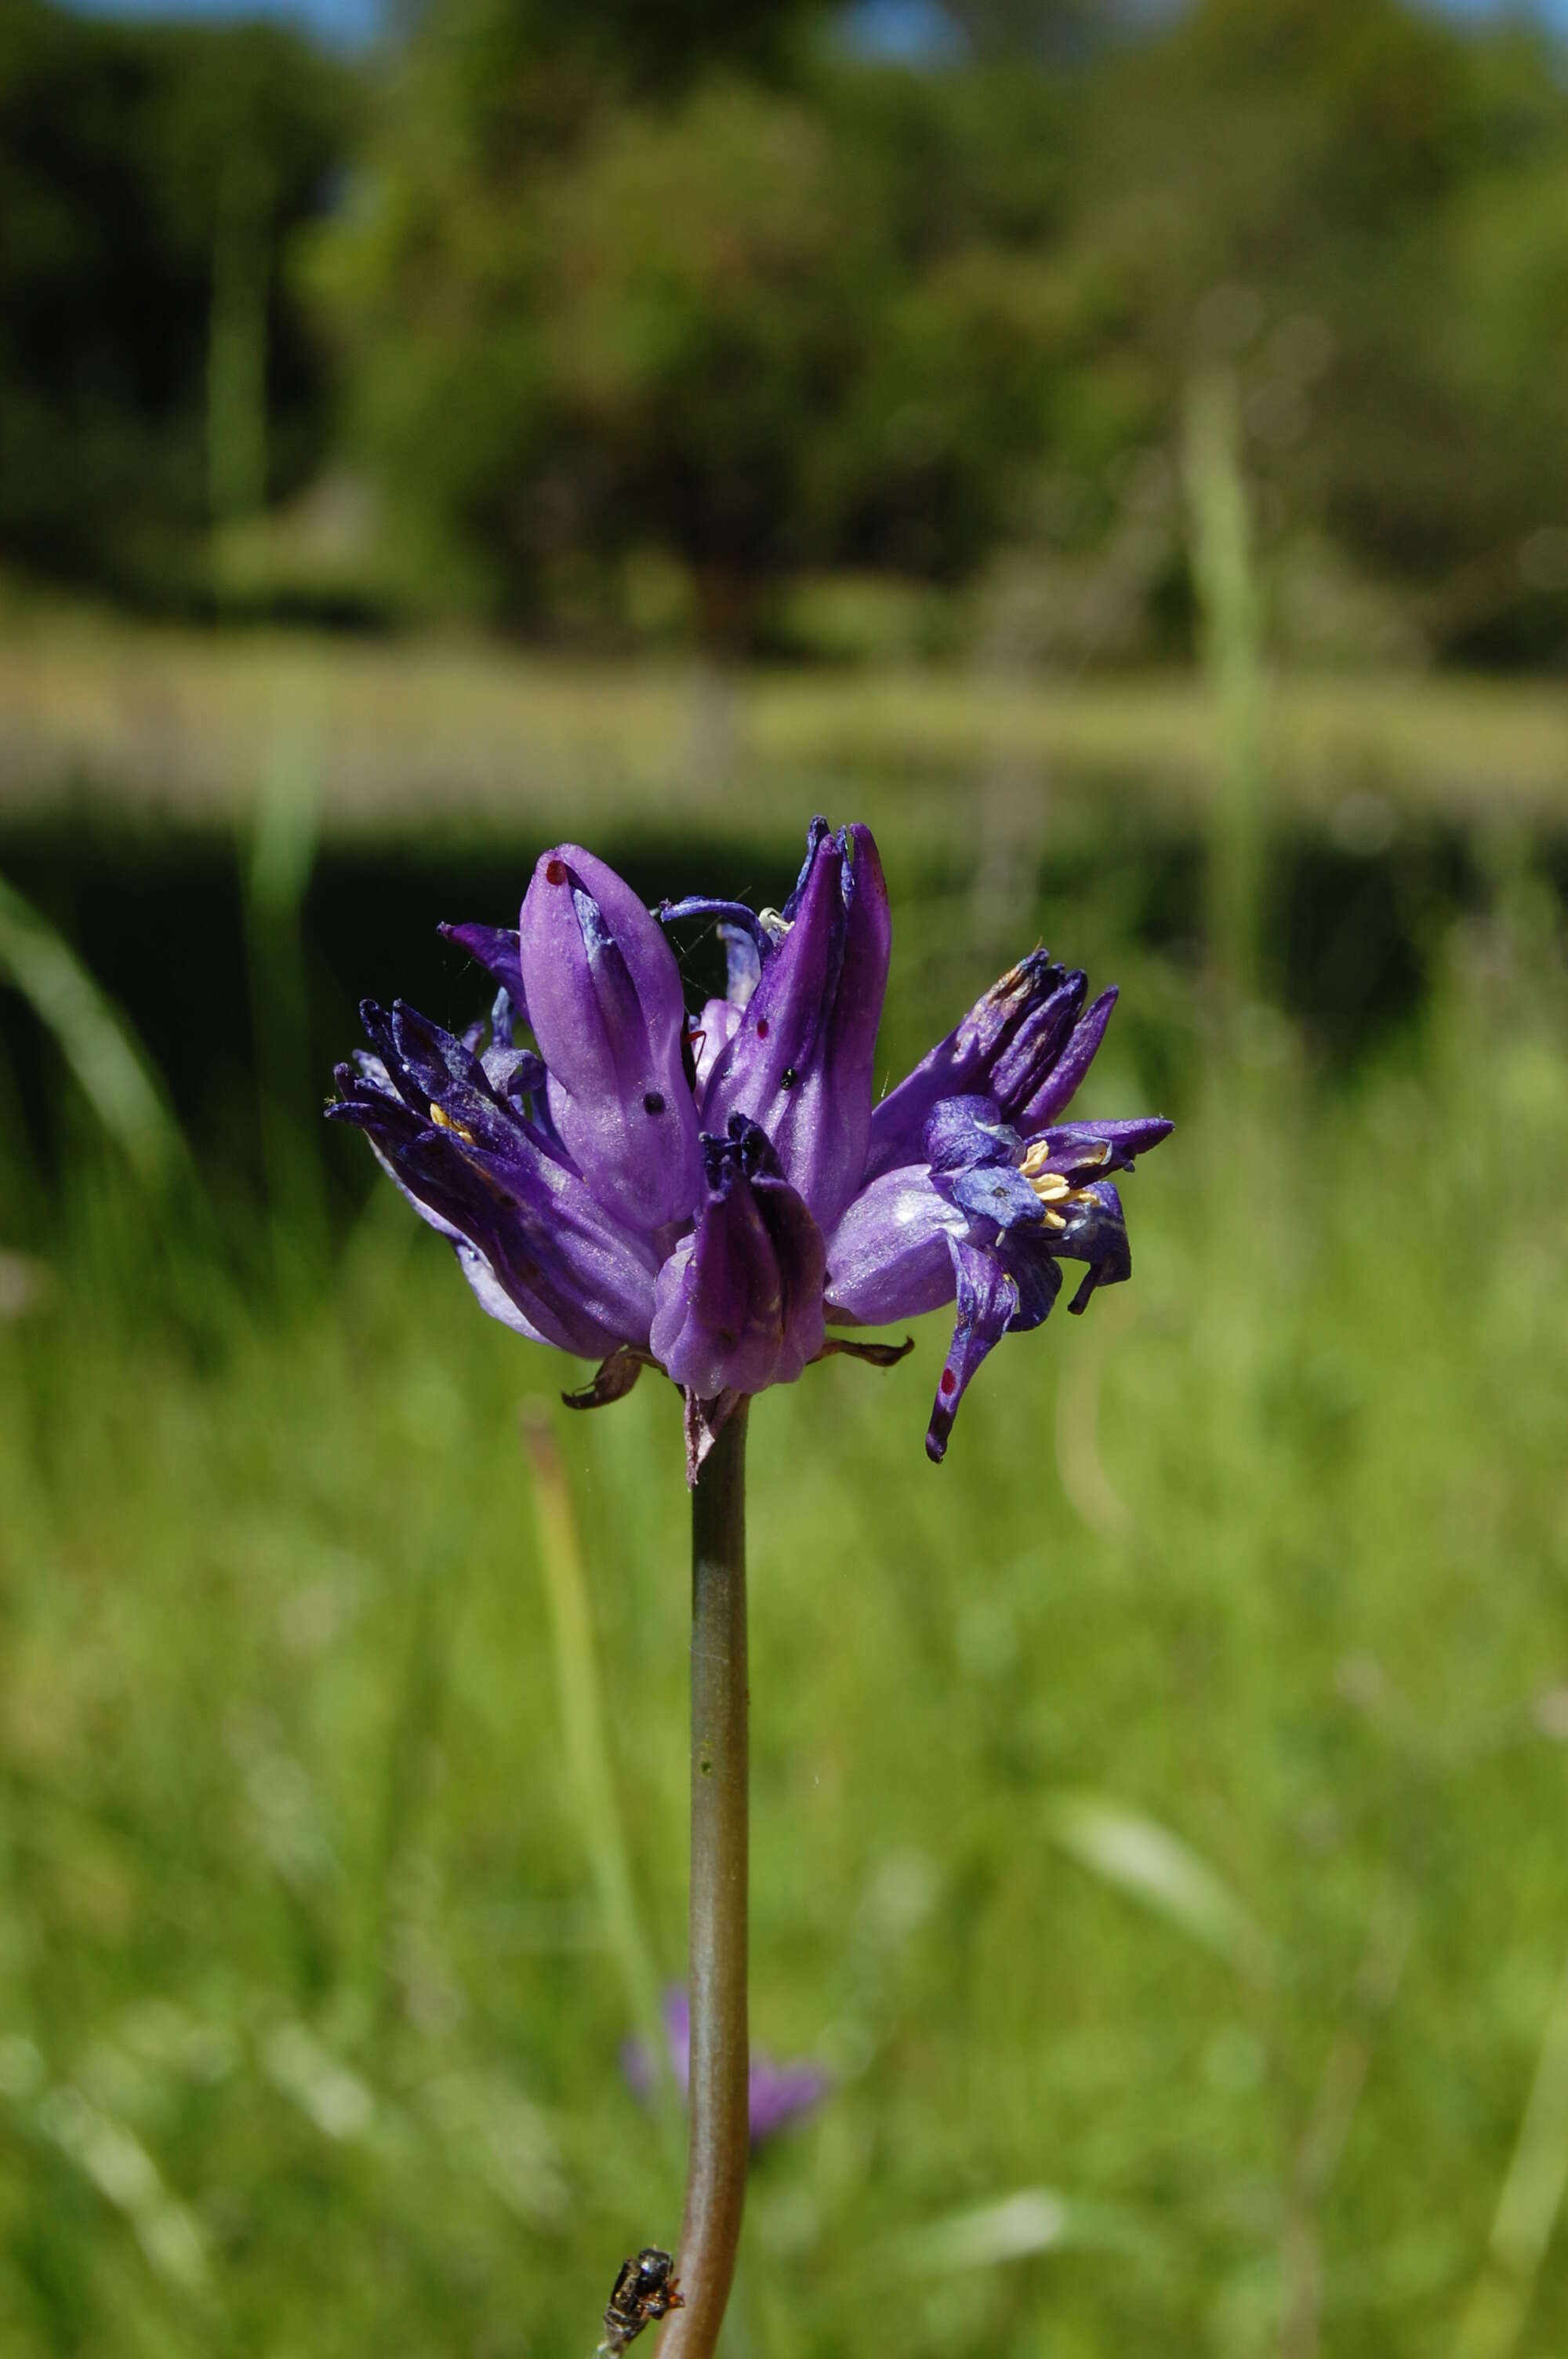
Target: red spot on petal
point(762, 1027)
point(949, 1381)
point(554, 872)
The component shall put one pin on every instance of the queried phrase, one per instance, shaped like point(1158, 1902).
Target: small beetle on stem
point(644, 2290)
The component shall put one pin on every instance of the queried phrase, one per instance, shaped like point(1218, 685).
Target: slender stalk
point(719, 2144)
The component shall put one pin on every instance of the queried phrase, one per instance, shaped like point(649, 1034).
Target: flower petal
point(1078, 1149)
point(801, 1059)
point(1056, 1092)
point(963, 1063)
point(604, 1000)
point(710, 1036)
point(738, 1305)
point(540, 1251)
point(775, 2092)
point(988, 1298)
point(495, 948)
point(888, 1258)
point(742, 963)
point(1030, 1054)
point(974, 1157)
point(1096, 1233)
point(735, 922)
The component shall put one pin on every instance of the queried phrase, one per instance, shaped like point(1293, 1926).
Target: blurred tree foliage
point(800, 315)
point(790, 307)
point(124, 151)
point(704, 296)
point(1375, 201)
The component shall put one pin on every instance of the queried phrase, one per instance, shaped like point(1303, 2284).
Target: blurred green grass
point(307, 2028)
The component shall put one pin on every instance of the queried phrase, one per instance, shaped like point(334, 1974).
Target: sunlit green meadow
point(1160, 1806)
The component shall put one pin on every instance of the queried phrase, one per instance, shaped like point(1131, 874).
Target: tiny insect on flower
point(710, 1192)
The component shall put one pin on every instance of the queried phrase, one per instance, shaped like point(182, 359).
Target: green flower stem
point(719, 2137)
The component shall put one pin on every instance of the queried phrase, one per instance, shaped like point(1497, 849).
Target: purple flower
point(708, 1195)
point(776, 2094)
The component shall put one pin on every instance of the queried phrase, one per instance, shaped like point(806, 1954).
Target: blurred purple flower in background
point(704, 1196)
point(776, 2094)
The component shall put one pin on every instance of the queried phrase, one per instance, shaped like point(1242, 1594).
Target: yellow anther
point(1093, 1152)
point(1054, 1220)
point(444, 1122)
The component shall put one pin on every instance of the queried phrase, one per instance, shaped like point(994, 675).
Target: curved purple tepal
point(989, 1298)
point(1096, 1233)
point(1020, 1004)
point(738, 1305)
point(541, 1252)
point(604, 999)
point(1077, 1150)
point(494, 948)
point(1031, 1058)
point(802, 1057)
point(1053, 1092)
point(887, 1258)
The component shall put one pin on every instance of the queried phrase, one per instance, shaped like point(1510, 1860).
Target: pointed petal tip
point(559, 855)
point(604, 1000)
point(865, 861)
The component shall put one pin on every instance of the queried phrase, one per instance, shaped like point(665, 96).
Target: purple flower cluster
point(706, 1195)
point(776, 2094)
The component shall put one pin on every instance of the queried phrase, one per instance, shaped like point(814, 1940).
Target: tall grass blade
point(416, 1726)
point(282, 862)
point(1034, 2220)
point(1528, 2205)
point(589, 1764)
point(124, 2174)
point(115, 1071)
point(1231, 632)
point(1145, 1860)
